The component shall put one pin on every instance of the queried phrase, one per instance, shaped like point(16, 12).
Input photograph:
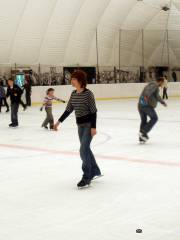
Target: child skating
point(148, 101)
point(47, 103)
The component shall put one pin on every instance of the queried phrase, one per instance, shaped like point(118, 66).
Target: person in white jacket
point(165, 88)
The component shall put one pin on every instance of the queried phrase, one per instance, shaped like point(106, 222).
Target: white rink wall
point(103, 91)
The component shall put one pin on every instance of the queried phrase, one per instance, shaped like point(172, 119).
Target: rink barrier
point(104, 99)
point(103, 91)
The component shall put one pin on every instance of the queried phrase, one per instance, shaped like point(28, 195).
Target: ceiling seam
point(100, 18)
point(165, 31)
point(70, 34)
point(45, 32)
point(130, 9)
point(16, 31)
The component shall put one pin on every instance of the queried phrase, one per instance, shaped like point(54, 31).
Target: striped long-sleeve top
point(48, 101)
point(84, 106)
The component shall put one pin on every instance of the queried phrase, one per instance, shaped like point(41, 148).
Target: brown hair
point(160, 79)
point(50, 90)
point(81, 76)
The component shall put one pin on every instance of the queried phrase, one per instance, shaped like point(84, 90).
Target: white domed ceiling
point(63, 32)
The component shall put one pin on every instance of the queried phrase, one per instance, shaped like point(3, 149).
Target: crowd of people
point(82, 101)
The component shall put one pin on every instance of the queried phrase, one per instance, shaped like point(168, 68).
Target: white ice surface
point(141, 188)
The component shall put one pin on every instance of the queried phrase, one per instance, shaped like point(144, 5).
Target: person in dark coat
point(174, 76)
point(148, 101)
point(15, 93)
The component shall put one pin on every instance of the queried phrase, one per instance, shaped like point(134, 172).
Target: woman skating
point(83, 103)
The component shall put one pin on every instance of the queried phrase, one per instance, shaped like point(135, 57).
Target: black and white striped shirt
point(84, 106)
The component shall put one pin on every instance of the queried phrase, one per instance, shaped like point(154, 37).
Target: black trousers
point(5, 103)
point(165, 95)
point(146, 112)
point(14, 113)
point(28, 98)
point(22, 104)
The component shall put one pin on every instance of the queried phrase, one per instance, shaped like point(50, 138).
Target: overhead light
point(165, 8)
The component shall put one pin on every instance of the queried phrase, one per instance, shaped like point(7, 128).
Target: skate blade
point(84, 187)
point(142, 140)
point(96, 177)
point(44, 128)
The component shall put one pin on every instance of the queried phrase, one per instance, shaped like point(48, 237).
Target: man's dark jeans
point(89, 165)
point(14, 113)
point(146, 112)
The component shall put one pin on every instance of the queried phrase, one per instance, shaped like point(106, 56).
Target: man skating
point(14, 92)
point(147, 103)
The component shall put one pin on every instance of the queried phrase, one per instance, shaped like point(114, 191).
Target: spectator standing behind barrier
point(165, 88)
point(27, 88)
point(174, 76)
point(22, 103)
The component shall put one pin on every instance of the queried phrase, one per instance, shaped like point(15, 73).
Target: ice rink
point(140, 188)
